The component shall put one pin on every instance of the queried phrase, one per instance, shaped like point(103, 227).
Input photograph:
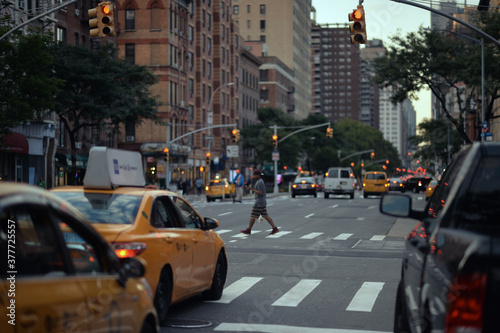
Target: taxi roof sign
point(108, 168)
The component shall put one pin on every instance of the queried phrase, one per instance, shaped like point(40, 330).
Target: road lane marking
point(365, 297)
point(295, 295)
point(334, 206)
point(377, 237)
point(279, 234)
point(360, 219)
point(308, 216)
point(371, 207)
point(227, 213)
point(237, 289)
point(343, 236)
point(312, 235)
point(270, 328)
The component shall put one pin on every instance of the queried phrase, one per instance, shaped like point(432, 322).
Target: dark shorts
point(257, 211)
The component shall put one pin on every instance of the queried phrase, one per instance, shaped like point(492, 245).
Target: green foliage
point(100, 90)
point(432, 141)
point(311, 146)
point(28, 85)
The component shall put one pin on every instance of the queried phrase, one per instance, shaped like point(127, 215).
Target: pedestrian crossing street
point(363, 300)
point(236, 234)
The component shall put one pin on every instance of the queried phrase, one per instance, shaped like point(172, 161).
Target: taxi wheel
point(218, 281)
point(163, 297)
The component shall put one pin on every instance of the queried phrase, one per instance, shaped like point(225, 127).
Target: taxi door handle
point(28, 320)
point(195, 240)
point(168, 239)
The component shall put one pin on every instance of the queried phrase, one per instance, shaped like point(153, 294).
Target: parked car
point(450, 277)
point(304, 186)
point(416, 184)
point(57, 274)
point(396, 184)
point(184, 256)
point(339, 181)
point(375, 183)
point(219, 189)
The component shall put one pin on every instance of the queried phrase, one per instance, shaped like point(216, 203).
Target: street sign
point(232, 151)
point(276, 156)
point(210, 118)
point(485, 126)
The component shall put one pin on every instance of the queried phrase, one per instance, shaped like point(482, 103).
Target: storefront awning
point(64, 160)
point(14, 143)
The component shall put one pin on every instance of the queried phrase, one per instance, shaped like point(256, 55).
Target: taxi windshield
point(104, 207)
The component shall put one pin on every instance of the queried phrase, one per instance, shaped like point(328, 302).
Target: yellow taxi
point(59, 275)
point(375, 183)
point(429, 190)
point(184, 255)
point(219, 189)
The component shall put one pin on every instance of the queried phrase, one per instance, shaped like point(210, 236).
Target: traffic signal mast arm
point(358, 153)
point(300, 130)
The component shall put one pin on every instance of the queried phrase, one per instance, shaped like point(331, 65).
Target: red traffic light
point(105, 10)
point(235, 131)
point(165, 150)
point(356, 15)
point(208, 155)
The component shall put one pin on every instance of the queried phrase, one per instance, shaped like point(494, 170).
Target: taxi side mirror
point(210, 223)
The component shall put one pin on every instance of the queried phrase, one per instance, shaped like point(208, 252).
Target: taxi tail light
point(466, 303)
point(128, 250)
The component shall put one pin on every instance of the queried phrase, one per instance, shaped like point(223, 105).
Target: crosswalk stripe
point(270, 328)
point(377, 237)
point(295, 295)
point(312, 235)
point(343, 236)
point(223, 231)
point(365, 297)
point(236, 289)
point(279, 234)
point(241, 235)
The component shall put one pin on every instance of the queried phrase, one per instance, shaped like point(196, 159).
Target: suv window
point(477, 208)
point(333, 173)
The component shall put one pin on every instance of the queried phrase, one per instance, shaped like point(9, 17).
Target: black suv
point(416, 184)
point(450, 277)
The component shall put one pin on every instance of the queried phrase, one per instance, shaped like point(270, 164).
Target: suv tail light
point(128, 250)
point(466, 303)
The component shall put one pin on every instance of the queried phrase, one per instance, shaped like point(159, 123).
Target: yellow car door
point(39, 292)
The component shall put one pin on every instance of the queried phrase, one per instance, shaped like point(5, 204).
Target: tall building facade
point(336, 72)
point(369, 91)
point(284, 25)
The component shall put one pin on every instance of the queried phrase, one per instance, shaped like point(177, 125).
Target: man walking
point(259, 208)
point(199, 185)
point(238, 186)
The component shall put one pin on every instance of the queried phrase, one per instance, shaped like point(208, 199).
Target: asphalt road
point(333, 267)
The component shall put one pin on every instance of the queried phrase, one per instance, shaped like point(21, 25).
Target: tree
point(100, 91)
point(28, 85)
point(432, 140)
point(431, 59)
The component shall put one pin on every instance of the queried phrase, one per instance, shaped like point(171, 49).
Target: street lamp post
point(210, 120)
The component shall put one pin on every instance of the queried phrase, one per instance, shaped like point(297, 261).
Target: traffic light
point(101, 20)
point(208, 160)
point(329, 132)
point(275, 140)
point(165, 154)
point(236, 135)
point(358, 27)
point(372, 155)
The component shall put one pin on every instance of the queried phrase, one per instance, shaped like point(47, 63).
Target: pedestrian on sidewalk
point(238, 186)
point(259, 207)
point(199, 185)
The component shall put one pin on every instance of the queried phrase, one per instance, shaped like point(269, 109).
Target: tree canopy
point(28, 83)
point(443, 63)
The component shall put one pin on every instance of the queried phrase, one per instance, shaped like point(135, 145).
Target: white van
point(339, 181)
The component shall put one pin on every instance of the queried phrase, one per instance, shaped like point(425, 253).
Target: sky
point(384, 18)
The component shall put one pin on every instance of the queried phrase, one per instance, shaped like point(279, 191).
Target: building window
point(209, 45)
point(263, 38)
point(61, 35)
point(264, 96)
point(191, 60)
point(203, 67)
point(262, 9)
point(236, 9)
point(262, 24)
point(209, 69)
point(130, 53)
point(155, 16)
point(191, 34)
point(223, 32)
point(203, 42)
point(191, 87)
point(248, 8)
point(248, 26)
point(129, 19)
point(209, 22)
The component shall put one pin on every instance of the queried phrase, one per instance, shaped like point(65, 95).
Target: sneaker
point(275, 230)
point(246, 231)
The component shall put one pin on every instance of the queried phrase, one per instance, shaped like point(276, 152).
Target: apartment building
point(284, 25)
